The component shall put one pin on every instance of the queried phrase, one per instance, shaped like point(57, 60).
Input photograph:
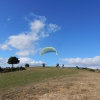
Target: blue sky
point(70, 26)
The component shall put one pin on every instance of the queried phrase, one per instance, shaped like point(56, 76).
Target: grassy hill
point(37, 81)
point(32, 75)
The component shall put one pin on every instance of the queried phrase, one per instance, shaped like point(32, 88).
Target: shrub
point(84, 68)
point(7, 69)
point(93, 70)
point(22, 68)
point(27, 65)
point(17, 68)
point(12, 69)
point(1, 69)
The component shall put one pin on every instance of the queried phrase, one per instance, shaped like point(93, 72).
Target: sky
point(72, 27)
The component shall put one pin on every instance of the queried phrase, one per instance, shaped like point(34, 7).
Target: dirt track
point(84, 86)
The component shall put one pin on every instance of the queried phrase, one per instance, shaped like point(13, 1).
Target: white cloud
point(26, 42)
point(44, 35)
point(22, 41)
point(36, 26)
point(3, 61)
point(4, 47)
point(23, 61)
point(8, 19)
point(83, 62)
point(42, 18)
point(23, 53)
point(27, 52)
point(53, 28)
point(31, 62)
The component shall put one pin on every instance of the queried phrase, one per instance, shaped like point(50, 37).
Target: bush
point(27, 65)
point(17, 68)
point(22, 68)
point(1, 69)
point(84, 68)
point(12, 69)
point(92, 70)
point(7, 69)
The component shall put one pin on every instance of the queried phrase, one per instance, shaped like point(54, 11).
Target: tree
point(27, 65)
point(13, 60)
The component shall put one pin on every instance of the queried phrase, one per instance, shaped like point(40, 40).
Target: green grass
point(32, 76)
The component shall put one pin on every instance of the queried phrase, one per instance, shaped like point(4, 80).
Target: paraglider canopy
point(48, 50)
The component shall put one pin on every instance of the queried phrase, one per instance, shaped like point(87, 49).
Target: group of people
point(59, 66)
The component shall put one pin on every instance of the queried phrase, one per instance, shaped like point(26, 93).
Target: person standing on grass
point(62, 65)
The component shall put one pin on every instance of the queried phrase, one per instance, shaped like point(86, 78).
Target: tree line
point(14, 60)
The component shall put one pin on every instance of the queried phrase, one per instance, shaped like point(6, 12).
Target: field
point(50, 84)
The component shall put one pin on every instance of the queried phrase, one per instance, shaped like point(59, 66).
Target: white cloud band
point(83, 62)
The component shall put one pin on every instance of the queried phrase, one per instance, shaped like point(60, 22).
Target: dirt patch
point(84, 86)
